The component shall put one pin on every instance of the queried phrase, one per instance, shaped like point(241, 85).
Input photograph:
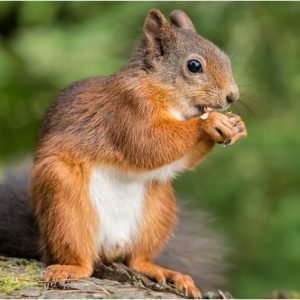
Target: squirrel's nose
point(234, 94)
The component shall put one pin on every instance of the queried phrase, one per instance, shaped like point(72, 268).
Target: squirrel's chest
point(118, 198)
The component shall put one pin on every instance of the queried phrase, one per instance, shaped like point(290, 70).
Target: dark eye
point(194, 66)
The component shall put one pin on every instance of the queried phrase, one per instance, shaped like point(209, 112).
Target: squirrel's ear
point(180, 19)
point(157, 30)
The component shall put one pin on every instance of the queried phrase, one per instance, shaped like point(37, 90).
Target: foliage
point(253, 186)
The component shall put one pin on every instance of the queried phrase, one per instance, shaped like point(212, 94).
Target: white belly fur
point(118, 198)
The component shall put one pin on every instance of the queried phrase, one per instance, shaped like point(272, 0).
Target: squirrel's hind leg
point(67, 223)
point(159, 218)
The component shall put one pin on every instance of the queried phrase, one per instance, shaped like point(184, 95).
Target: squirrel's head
point(198, 71)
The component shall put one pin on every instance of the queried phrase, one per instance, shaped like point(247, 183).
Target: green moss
point(33, 271)
point(12, 272)
point(10, 284)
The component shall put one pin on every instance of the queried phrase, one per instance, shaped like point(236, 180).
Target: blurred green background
point(253, 187)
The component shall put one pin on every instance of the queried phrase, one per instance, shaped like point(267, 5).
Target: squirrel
point(108, 148)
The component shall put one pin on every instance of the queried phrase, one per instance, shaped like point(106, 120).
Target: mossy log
point(21, 278)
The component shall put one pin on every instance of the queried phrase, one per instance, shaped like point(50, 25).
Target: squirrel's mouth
point(202, 108)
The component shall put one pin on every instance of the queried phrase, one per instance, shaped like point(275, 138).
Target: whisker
point(248, 94)
point(250, 110)
point(236, 108)
point(249, 99)
point(232, 55)
point(255, 104)
point(243, 83)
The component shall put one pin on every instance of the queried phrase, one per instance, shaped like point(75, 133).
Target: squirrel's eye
point(194, 66)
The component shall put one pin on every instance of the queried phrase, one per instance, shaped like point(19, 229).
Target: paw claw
point(228, 142)
point(185, 284)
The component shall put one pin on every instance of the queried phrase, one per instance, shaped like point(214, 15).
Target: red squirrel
point(109, 147)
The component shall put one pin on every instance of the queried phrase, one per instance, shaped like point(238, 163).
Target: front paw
point(239, 129)
point(224, 128)
point(60, 274)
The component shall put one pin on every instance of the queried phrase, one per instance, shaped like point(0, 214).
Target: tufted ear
point(180, 19)
point(158, 32)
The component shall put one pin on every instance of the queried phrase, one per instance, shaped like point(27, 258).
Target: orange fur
point(159, 218)
point(66, 219)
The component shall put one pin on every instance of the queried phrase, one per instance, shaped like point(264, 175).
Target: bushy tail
point(194, 250)
point(19, 235)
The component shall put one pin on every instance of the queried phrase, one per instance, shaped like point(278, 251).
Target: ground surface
point(20, 278)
